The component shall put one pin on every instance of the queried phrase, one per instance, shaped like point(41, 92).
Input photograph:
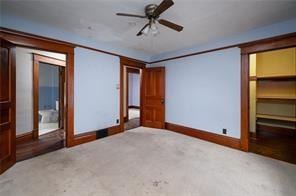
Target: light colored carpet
point(147, 161)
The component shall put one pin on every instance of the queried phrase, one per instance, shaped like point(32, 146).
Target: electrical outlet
point(117, 121)
point(224, 131)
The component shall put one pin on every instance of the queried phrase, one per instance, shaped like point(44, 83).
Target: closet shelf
point(276, 77)
point(275, 98)
point(276, 125)
point(274, 117)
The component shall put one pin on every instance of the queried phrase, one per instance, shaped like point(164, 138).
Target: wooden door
point(7, 106)
point(154, 97)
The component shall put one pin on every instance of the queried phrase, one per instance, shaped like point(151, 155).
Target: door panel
point(154, 97)
point(7, 105)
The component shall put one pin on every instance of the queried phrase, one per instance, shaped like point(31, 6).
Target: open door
point(7, 105)
point(154, 97)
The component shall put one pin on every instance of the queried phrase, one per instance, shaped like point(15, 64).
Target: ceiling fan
point(152, 13)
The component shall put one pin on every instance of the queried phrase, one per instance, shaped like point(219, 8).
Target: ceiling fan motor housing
point(149, 10)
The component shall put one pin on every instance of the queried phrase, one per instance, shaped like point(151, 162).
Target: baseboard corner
point(205, 135)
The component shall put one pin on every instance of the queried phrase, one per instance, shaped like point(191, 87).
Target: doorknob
point(162, 101)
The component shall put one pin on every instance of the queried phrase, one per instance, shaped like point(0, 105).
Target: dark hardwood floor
point(46, 143)
point(274, 145)
point(132, 124)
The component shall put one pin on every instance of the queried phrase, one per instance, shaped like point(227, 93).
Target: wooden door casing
point(7, 106)
point(36, 65)
point(154, 97)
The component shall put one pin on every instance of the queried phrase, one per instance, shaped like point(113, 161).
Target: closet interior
point(272, 105)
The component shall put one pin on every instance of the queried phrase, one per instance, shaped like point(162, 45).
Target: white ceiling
point(203, 20)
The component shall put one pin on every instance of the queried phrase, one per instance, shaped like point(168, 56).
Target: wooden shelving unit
point(273, 89)
point(282, 99)
point(285, 127)
point(277, 97)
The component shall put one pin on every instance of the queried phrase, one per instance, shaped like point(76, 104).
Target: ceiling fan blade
point(140, 32)
point(170, 25)
point(130, 15)
point(163, 6)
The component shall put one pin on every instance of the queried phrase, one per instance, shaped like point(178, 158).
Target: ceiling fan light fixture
point(154, 28)
point(154, 31)
point(146, 30)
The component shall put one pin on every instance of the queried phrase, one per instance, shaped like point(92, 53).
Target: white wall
point(134, 89)
point(203, 91)
point(96, 97)
point(24, 87)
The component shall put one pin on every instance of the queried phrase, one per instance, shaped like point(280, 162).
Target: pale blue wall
point(96, 97)
point(48, 86)
point(203, 92)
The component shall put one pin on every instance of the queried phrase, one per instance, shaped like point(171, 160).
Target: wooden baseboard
point(204, 135)
point(23, 138)
point(114, 130)
point(91, 136)
point(275, 130)
point(133, 106)
point(84, 138)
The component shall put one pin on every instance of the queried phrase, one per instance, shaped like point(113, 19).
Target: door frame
point(279, 42)
point(37, 59)
point(125, 62)
point(128, 71)
point(41, 43)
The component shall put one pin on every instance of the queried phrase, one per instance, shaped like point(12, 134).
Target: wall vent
point(101, 133)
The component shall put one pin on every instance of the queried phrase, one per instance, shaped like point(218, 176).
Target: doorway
point(9, 41)
point(272, 103)
point(132, 92)
point(50, 93)
point(40, 83)
point(152, 94)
